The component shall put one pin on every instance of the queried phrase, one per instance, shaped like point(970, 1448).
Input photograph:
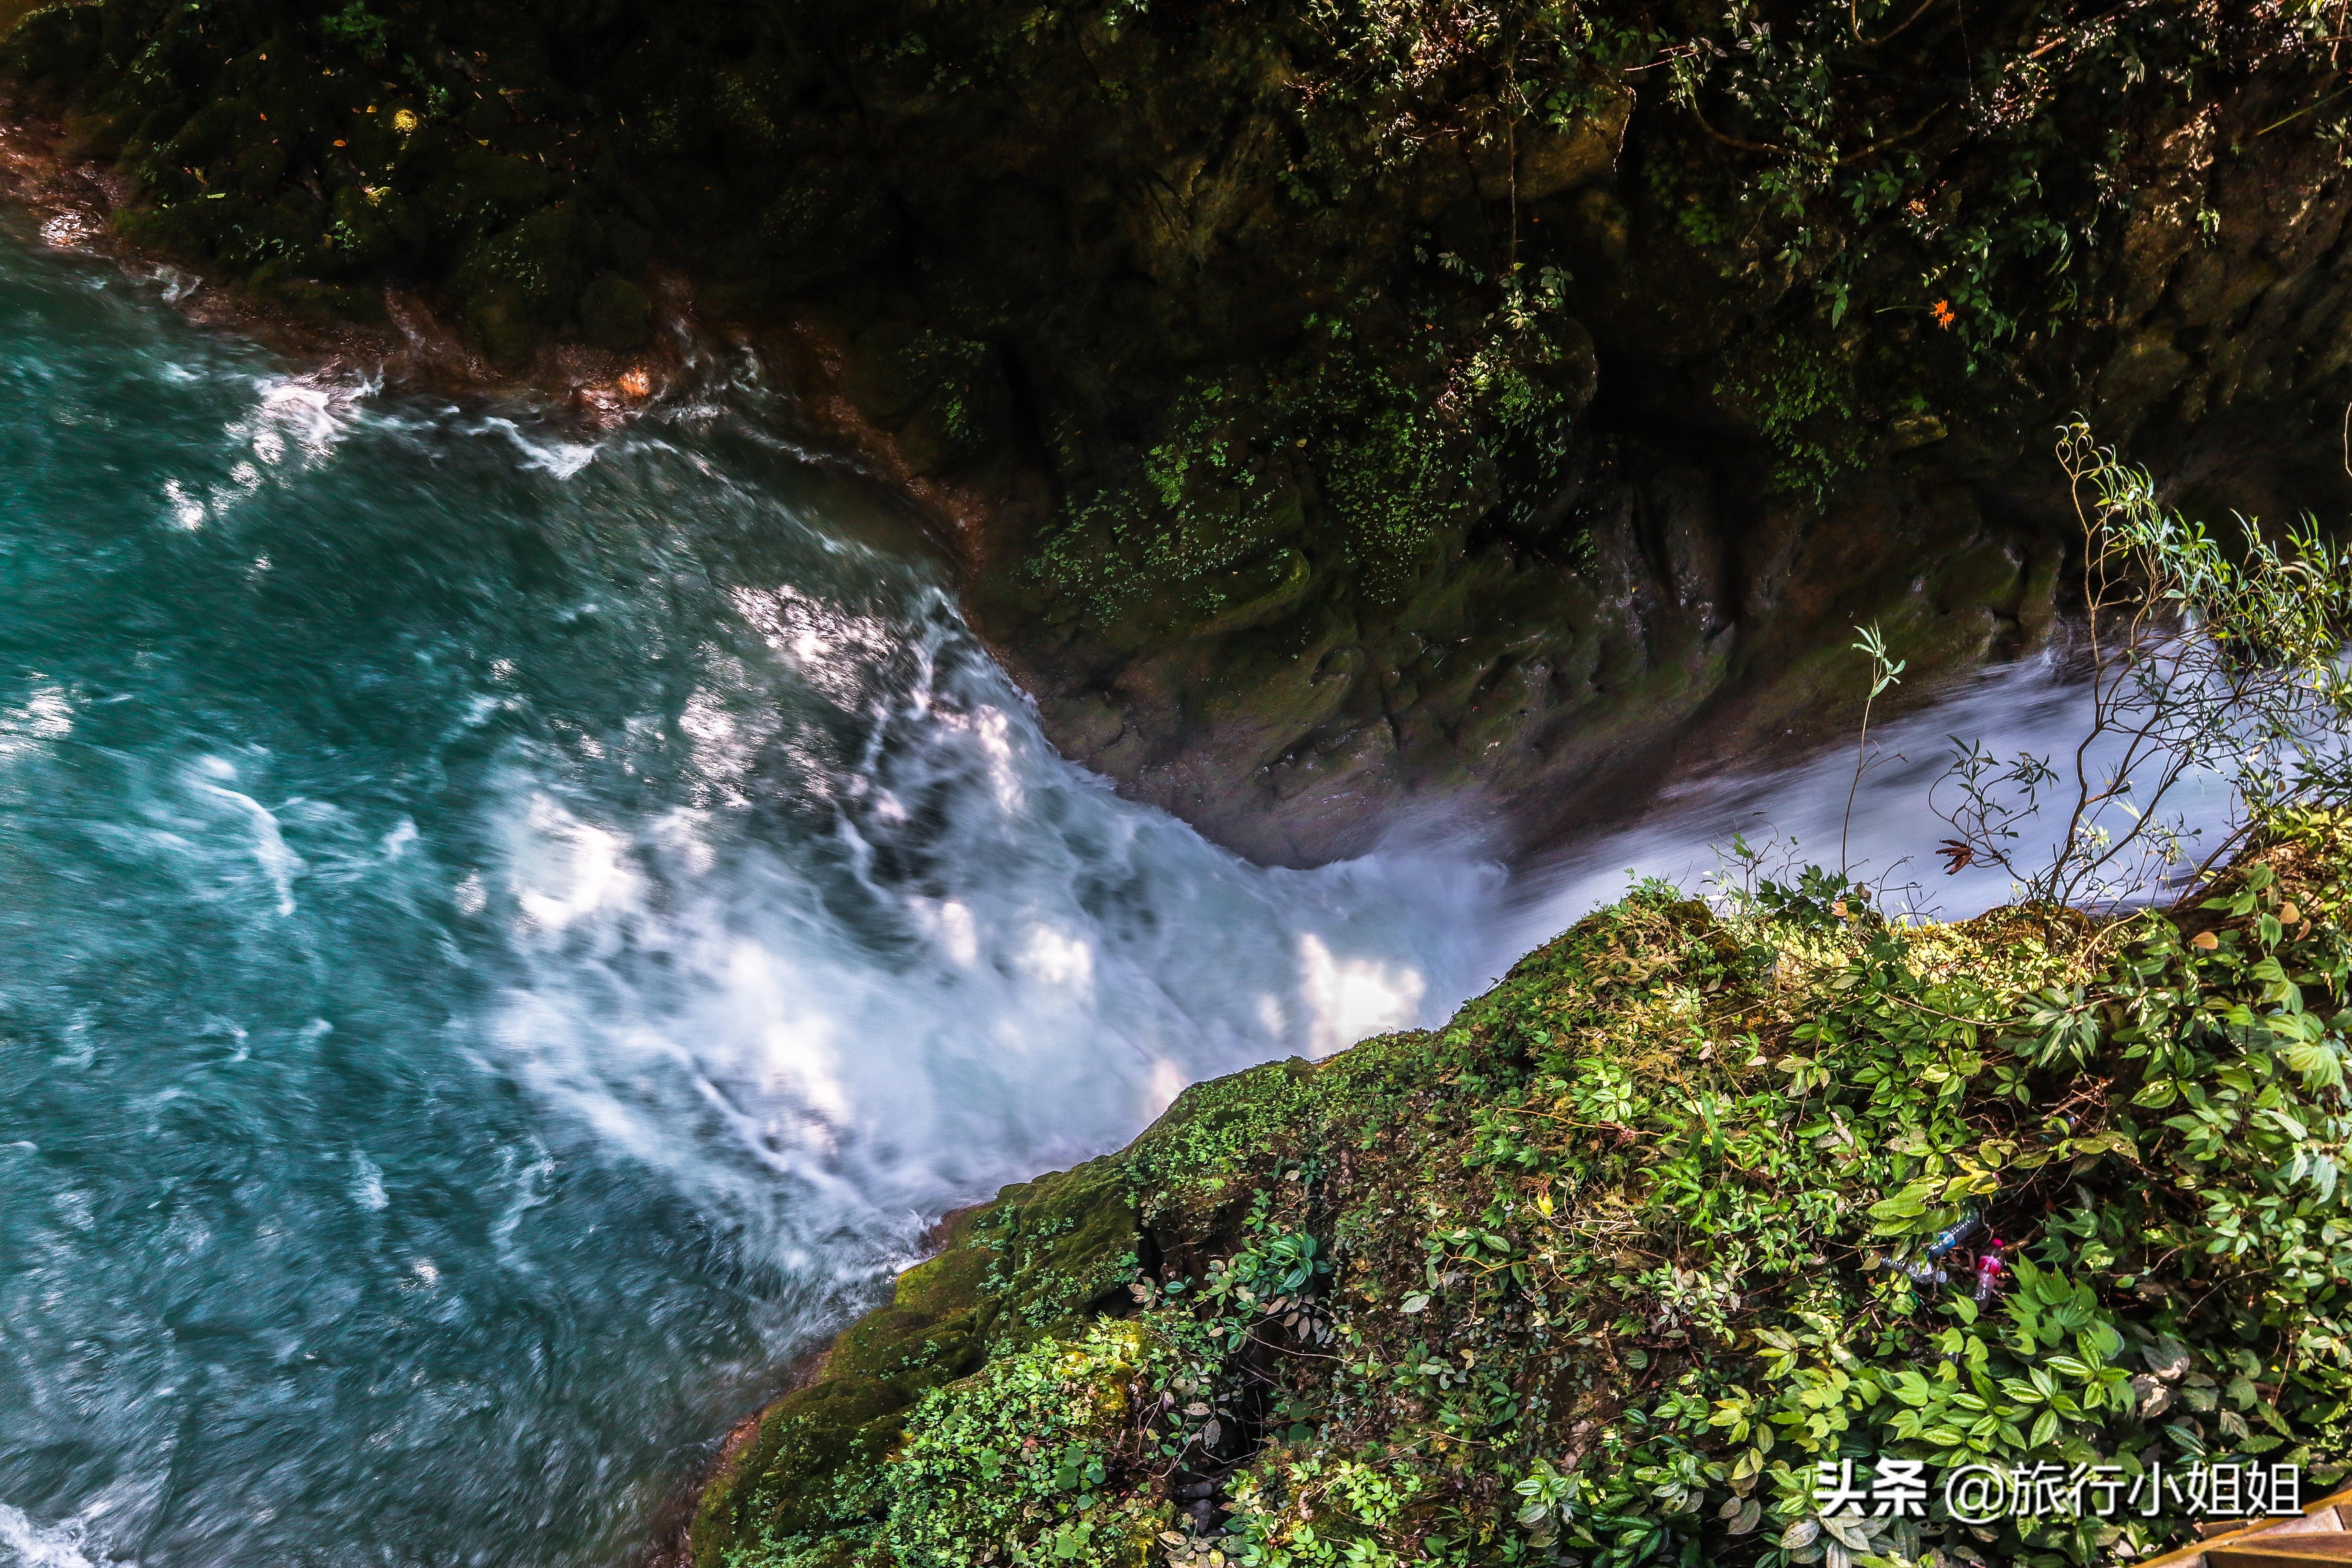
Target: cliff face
point(1341, 408)
point(1601, 1270)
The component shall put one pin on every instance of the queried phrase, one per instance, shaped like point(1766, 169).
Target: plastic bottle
point(1923, 1269)
point(1952, 1235)
point(1990, 1268)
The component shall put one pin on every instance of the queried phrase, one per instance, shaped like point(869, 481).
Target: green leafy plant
point(358, 28)
point(1884, 672)
point(2204, 659)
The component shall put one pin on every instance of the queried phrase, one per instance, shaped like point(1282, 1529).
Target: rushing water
point(501, 938)
point(1885, 828)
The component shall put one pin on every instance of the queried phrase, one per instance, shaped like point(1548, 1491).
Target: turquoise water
point(501, 938)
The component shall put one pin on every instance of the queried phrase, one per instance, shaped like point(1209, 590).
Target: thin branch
point(1735, 141)
point(1853, 11)
point(1774, 149)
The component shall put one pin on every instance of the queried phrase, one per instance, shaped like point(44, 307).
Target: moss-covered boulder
point(1038, 1262)
point(615, 314)
point(1604, 1270)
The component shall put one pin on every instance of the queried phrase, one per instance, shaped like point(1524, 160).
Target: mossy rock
point(1404, 304)
point(472, 192)
point(215, 131)
point(1042, 1258)
point(178, 231)
point(827, 220)
point(1190, 1161)
point(1011, 1458)
point(327, 301)
point(1622, 1215)
point(519, 282)
point(615, 314)
point(946, 398)
point(370, 225)
point(13, 12)
point(1986, 574)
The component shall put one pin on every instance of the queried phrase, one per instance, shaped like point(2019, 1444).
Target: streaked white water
point(2037, 707)
point(40, 1546)
point(506, 936)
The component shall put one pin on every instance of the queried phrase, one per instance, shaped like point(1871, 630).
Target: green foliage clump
point(1806, 405)
point(1632, 1261)
point(1306, 364)
point(1386, 479)
point(358, 28)
point(1009, 1464)
point(810, 1480)
point(1191, 1158)
point(1172, 544)
point(2205, 658)
point(1393, 456)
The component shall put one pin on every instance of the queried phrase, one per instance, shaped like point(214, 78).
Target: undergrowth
point(1601, 1270)
point(1891, 202)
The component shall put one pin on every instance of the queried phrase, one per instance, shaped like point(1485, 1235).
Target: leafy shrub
point(1009, 1465)
point(2203, 658)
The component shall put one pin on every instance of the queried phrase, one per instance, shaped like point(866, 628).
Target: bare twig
point(1853, 11)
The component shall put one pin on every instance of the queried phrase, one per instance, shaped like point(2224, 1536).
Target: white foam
point(294, 423)
point(1353, 999)
point(982, 966)
point(967, 961)
point(540, 445)
point(68, 229)
point(270, 851)
point(25, 1544)
point(2033, 706)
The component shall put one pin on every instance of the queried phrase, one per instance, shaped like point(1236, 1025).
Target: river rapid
point(503, 939)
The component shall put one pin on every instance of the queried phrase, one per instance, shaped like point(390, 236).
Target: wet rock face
point(1524, 684)
point(1338, 419)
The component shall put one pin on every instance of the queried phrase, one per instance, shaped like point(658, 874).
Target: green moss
point(1192, 1161)
point(1192, 537)
point(365, 229)
point(1602, 1264)
point(1351, 450)
point(946, 398)
point(519, 282)
point(329, 300)
point(809, 1483)
point(1010, 1464)
point(1389, 478)
point(614, 313)
point(1804, 400)
point(1315, 367)
point(1062, 1244)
